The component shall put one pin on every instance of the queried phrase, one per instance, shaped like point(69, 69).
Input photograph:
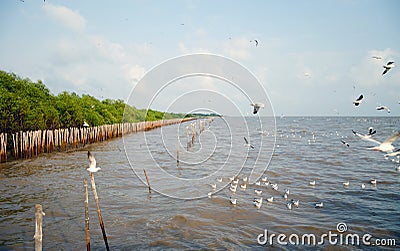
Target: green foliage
point(27, 105)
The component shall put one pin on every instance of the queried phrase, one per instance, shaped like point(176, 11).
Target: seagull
point(244, 179)
point(319, 205)
point(394, 153)
point(255, 40)
point(346, 184)
point(387, 67)
point(264, 179)
point(367, 137)
point(92, 163)
point(233, 189)
point(275, 187)
point(257, 107)
point(312, 183)
point(219, 179)
point(296, 203)
point(258, 183)
point(382, 107)
point(257, 204)
point(247, 143)
point(271, 199)
point(243, 186)
point(358, 101)
point(285, 196)
point(266, 183)
point(235, 181)
point(258, 192)
point(387, 146)
point(258, 200)
point(214, 186)
point(373, 182)
point(377, 57)
point(232, 201)
point(363, 186)
point(345, 143)
point(287, 191)
point(209, 194)
point(289, 205)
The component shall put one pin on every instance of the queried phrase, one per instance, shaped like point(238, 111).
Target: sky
point(313, 58)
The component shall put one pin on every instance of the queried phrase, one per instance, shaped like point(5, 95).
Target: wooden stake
point(96, 198)
point(38, 227)
point(87, 215)
point(147, 179)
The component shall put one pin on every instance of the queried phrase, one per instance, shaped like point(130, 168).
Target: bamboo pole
point(87, 214)
point(38, 227)
point(147, 179)
point(96, 198)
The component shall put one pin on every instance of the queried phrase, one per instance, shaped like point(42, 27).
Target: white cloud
point(67, 17)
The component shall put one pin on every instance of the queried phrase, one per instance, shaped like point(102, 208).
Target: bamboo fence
point(32, 143)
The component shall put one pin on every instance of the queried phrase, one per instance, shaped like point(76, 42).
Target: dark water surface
point(306, 149)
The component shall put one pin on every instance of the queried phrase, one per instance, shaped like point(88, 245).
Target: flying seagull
point(92, 163)
point(345, 143)
point(388, 66)
point(377, 57)
point(255, 40)
point(257, 107)
point(247, 144)
point(386, 146)
point(382, 107)
point(371, 131)
point(367, 137)
point(358, 101)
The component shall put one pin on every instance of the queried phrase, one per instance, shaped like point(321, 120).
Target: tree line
point(26, 105)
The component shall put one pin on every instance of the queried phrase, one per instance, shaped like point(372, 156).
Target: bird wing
point(246, 140)
point(359, 98)
point(392, 138)
point(386, 70)
point(92, 160)
point(389, 63)
point(365, 137)
point(256, 108)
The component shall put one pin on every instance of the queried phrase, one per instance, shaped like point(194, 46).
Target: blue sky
point(313, 57)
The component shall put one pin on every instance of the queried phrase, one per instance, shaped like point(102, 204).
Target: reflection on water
point(306, 149)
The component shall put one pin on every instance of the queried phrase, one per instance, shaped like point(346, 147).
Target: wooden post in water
point(177, 152)
point(96, 198)
point(38, 227)
point(87, 215)
point(147, 179)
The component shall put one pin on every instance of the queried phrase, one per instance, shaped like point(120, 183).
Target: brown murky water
point(306, 149)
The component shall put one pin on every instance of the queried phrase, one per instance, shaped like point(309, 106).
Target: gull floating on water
point(358, 101)
point(219, 179)
point(258, 183)
point(209, 194)
point(271, 199)
point(289, 205)
point(235, 181)
point(363, 186)
point(346, 184)
point(312, 183)
point(233, 189)
point(258, 202)
point(92, 163)
point(243, 186)
point(319, 205)
point(257, 107)
point(287, 191)
point(264, 179)
point(258, 192)
point(373, 182)
point(295, 202)
point(214, 186)
point(247, 144)
point(285, 195)
point(387, 67)
point(274, 186)
point(233, 201)
point(345, 143)
point(244, 179)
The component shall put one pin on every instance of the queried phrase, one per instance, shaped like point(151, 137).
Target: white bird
point(367, 137)
point(285, 196)
point(233, 189)
point(214, 186)
point(209, 194)
point(231, 178)
point(258, 183)
point(257, 204)
point(296, 202)
point(371, 131)
point(257, 107)
point(345, 143)
point(358, 101)
point(235, 181)
point(373, 182)
point(233, 201)
point(382, 107)
point(247, 144)
point(346, 184)
point(271, 199)
point(312, 183)
point(363, 186)
point(386, 146)
point(92, 163)
point(377, 57)
point(389, 65)
point(274, 186)
point(219, 179)
point(287, 191)
point(258, 200)
point(394, 153)
point(289, 206)
point(244, 179)
point(266, 183)
point(258, 192)
point(243, 186)
point(264, 179)
point(319, 205)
